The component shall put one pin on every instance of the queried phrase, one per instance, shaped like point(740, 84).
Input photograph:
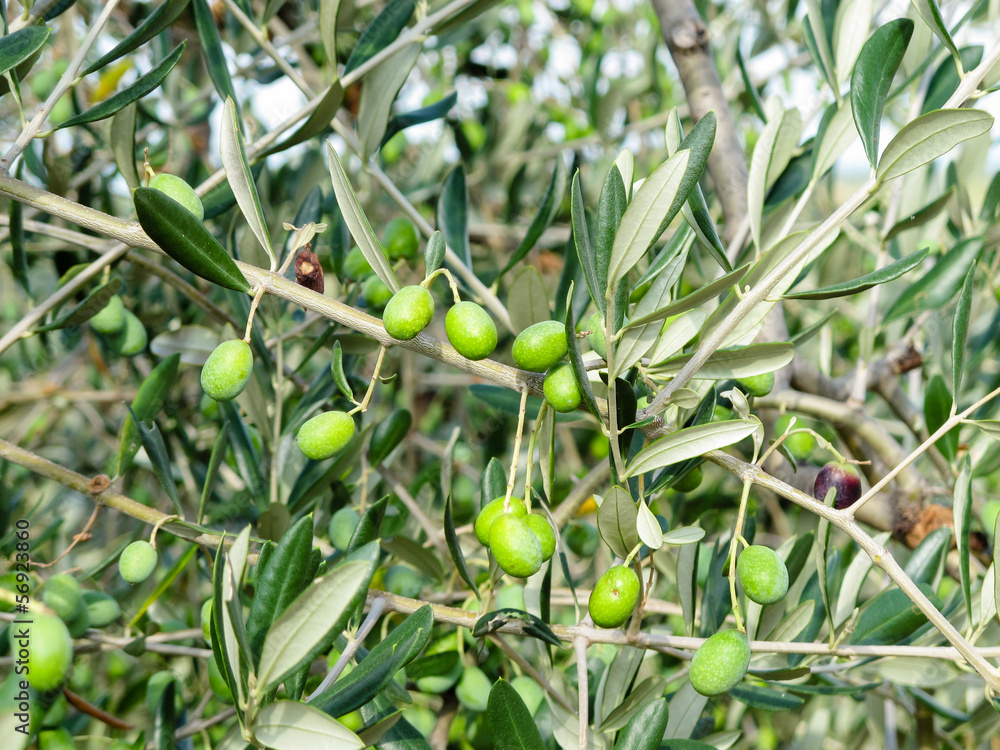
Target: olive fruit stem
point(363, 406)
point(426, 283)
point(531, 454)
point(157, 525)
point(258, 294)
point(632, 554)
point(733, 549)
point(517, 450)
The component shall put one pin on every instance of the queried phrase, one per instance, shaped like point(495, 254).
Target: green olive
point(227, 370)
point(561, 389)
point(515, 547)
point(491, 512)
point(174, 187)
point(408, 312)
point(614, 597)
point(325, 434)
point(720, 663)
point(137, 561)
point(539, 347)
point(471, 330)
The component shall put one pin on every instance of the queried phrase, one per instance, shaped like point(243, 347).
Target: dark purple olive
point(844, 478)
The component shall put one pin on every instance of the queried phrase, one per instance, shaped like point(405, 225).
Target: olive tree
point(475, 374)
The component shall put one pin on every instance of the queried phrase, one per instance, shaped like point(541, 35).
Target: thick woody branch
point(687, 39)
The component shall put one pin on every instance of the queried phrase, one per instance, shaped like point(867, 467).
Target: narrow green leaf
point(247, 459)
point(610, 211)
point(512, 724)
point(378, 95)
point(616, 681)
point(962, 512)
point(850, 586)
point(19, 253)
point(181, 236)
point(94, 302)
point(133, 93)
point(270, 10)
point(766, 699)
point(156, 450)
point(889, 618)
point(381, 33)
point(434, 253)
point(165, 724)
point(357, 222)
point(684, 535)
point(696, 298)
point(616, 521)
point(640, 225)
point(148, 403)
point(528, 299)
point(387, 434)
point(530, 625)
point(318, 122)
point(928, 137)
point(689, 443)
point(214, 462)
point(855, 286)
point(751, 91)
point(290, 725)
point(931, 15)
point(278, 585)
point(687, 583)
point(374, 672)
point(872, 79)
point(989, 427)
point(935, 288)
point(369, 526)
point(850, 30)
point(926, 563)
point(155, 22)
point(945, 80)
point(836, 132)
point(455, 548)
point(921, 216)
point(494, 482)
point(337, 368)
point(321, 609)
point(938, 407)
point(412, 552)
point(328, 12)
point(551, 201)
point(582, 243)
point(686, 708)
point(234, 161)
point(453, 213)
point(431, 112)
point(826, 689)
point(123, 144)
point(17, 47)
point(211, 49)
point(648, 528)
point(576, 359)
point(739, 362)
point(644, 731)
point(960, 331)
point(771, 155)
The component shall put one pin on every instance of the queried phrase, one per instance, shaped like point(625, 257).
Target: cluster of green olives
point(541, 348)
point(120, 327)
point(49, 644)
point(520, 541)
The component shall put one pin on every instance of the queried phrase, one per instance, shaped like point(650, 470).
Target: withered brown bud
point(308, 271)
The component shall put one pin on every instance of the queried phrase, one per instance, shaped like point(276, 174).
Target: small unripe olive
point(798, 444)
point(325, 434)
point(582, 538)
point(342, 526)
point(63, 596)
point(491, 512)
point(408, 312)
point(400, 239)
point(539, 347)
point(174, 187)
point(375, 292)
point(561, 389)
point(110, 318)
point(614, 597)
point(542, 529)
point(206, 620)
point(50, 651)
point(356, 265)
point(756, 385)
point(720, 663)
point(137, 561)
point(691, 480)
point(762, 574)
point(471, 330)
point(132, 338)
point(404, 581)
point(101, 608)
point(596, 337)
point(227, 370)
point(516, 549)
